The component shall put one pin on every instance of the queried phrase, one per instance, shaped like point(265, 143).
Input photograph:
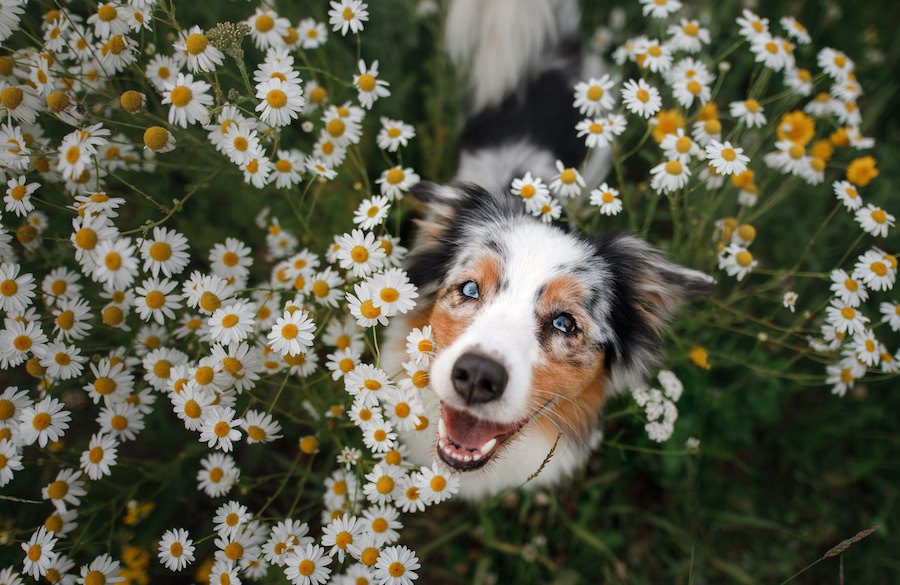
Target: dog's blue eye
point(564, 322)
point(470, 289)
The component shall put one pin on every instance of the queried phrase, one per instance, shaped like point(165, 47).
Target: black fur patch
point(541, 111)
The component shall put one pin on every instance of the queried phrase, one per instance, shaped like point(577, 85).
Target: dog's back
point(520, 60)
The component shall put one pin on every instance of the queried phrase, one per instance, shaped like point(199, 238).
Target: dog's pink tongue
point(468, 431)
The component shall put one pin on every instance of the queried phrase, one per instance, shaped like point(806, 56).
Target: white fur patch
point(492, 168)
point(502, 42)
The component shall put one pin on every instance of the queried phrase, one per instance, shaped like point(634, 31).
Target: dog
point(535, 325)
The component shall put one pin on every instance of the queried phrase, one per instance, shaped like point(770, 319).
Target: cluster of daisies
point(126, 322)
point(700, 148)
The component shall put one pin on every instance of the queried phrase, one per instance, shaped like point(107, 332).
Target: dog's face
point(533, 324)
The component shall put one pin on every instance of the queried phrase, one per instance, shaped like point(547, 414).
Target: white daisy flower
point(66, 490)
point(657, 9)
point(593, 96)
point(199, 53)
point(218, 474)
point(531, 190)
point(726, 159)
point(292, 333)
point(396, 181)
point(847, 194)
point(12, 401)
point(162, 69)
point(325, 287)
point(312, 34)
point(874, 220)
point(640, 98)
point(231, 323)
point(737, 261)
point(752, 27)
point(282, 101)
point(39, 553)
point(678, 146)
point(10, 461)
point(891, 315)
point(382, 483)
point(750, 112)
point(121, 420)
point(176, 549)
point(372, 212)
point(407, 497)
point(267, 28)
point(61, 283)
point(845, 318)
point(789, 300)
point(420, 344)
point(61, 361)
point(369, 87)
point(568, 182)
point(19, 339)
point(549, 211)
point(189, 100)
point(155, 300)
point(307, 565)
point(688, 36)
point(231, 518)
point(260, 427)
point(835, 63)
point(848, 288)
point(607, 199)
point(286, 172)
point(771, 52)
point(360, 253)
point(18, 196)
point(257, 170)
point(102, 569)
point(392, 292)
point(876, 270)
point(348, 16)
point(341, 534)
point(378, 435)
point(436, 484)
point(219, 428)
point(114, 264)
point(394, 134)
point(16, 290)
point(100, 456)
point(669, 176)
point(396, 565)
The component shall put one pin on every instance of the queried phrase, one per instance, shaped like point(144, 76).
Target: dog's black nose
point(478, 379)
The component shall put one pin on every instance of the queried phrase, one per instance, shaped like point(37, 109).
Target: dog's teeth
point(442, 428)
point(448, 451)
point(476, 456)
point(486, 448)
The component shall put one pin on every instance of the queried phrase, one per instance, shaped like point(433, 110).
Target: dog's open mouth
point(466, 442)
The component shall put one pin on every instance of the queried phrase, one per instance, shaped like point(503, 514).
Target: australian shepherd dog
point(535, 325)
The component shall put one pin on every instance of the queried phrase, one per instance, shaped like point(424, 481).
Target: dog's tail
point(521, 60)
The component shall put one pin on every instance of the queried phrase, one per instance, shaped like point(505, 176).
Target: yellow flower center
point(234, 551)
point(8, 287)
point(11, 97)
point(691, 29)
point(642, 95)
point(181, 96)
point(389, 295)
point(359, 254)
point(385, 484)
point(369, 556)
point(848, 313)
point(41, 421)
point(438, 483)
point(162, 369)
point(196, 44)
point(729, 154)
point(396, 569)
point(113, 261)
point(879, 268)
point(879, 216)
point(106, 12)
point(62, 359)
point(230, 320)
point(306, 567)
point(264, 23)
point(156, 137)
point(155, 299)
point(34, 553)
point(744, 258)
point(104, 385)
point(95, 455)
point(118, 422)
point(395, 176)
point(568, 176)
point(527, 191)
point(366, 82)
point(276, 98)
point(58, 490)
point(673, 167)
point(289, 331)
point(343, 539)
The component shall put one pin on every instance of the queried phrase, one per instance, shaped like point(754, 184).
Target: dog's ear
point(647, 290)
